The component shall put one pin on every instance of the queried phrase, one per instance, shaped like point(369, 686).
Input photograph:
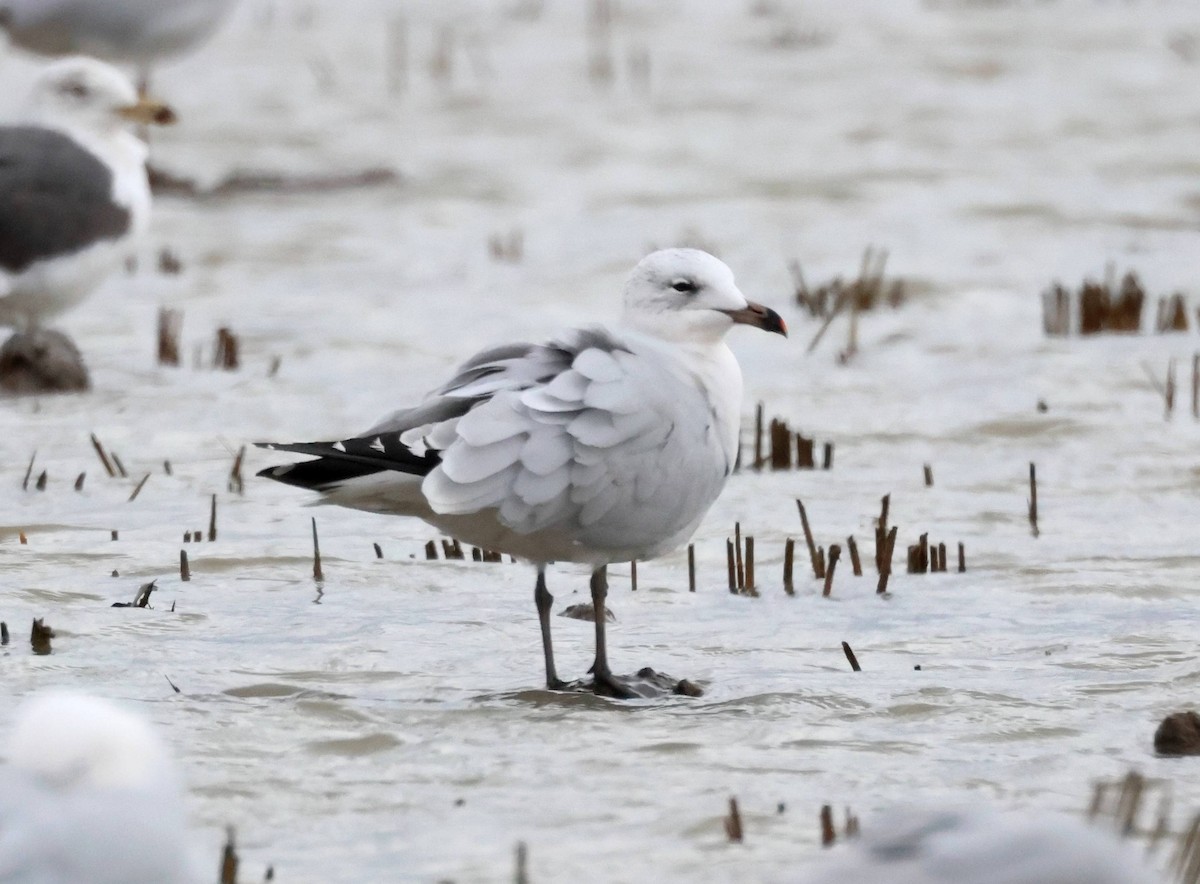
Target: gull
point(603, 445)
point(137, 32)
point(73, 188)
point(977, 844)
point(89, 796)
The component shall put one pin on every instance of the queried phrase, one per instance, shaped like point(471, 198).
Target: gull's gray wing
point(619, 448)
point(55, 198)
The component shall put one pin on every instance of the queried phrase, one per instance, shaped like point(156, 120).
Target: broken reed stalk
point(138, 490)
point(28, 472)
point(789, 556)
point(885, 559)
point(941, 556)
point(521, 874)
point(235, 473)
point(430, 550)
point(185, 571)
point(827, 456)
point(881, 532)
point(737, 551)
point(731, 566)
point(1170, 394)
point(318, 574)
point(120, 466)
point(758, 434)
point(79, 481)
point(835, 553)
point(828, 833)
point(818, 572)
point(170, 326)
point(3, 633)
point(229, 859)
point(691, 567)
point(962, 558)
point(1196, 385)
point(41, 481)
point(849, 652)
point(632, 574)
point(733, 823)
point(1033, 504)
point(928, 476)
point(855, 561)
point(749, 584)
point(107, 464)
point(378, 551)
point(39, 637)
point(225, 354)
point(212, 520)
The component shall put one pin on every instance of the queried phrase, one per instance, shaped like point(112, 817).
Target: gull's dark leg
point(603, 680)
point(543, 600)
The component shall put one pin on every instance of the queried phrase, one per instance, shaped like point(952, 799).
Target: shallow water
point(391, 726)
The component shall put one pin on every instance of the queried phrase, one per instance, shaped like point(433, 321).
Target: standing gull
point(137, 32)
point(603, 445)
point(73, 189)
point(90, 795)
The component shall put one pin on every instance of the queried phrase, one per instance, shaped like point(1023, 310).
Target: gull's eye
point(74, 88)
point(684, 285)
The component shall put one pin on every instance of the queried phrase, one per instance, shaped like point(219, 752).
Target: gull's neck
point(708, 362)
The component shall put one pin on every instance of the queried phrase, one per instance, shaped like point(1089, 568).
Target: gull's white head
point(687, 294)
point(73, 741)
point(93, 96)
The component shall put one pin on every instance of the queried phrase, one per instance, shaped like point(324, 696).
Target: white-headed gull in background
point(73, 188)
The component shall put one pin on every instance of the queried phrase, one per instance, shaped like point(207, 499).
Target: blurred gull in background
point(89, 796)
point(136, 32)
point(980, 845)
point(73, 197)
point(73, 188)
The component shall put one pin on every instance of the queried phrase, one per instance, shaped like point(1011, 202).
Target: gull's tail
point(348, 459)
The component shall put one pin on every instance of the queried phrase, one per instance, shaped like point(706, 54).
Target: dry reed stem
point(835, 553)
point(789, 556)
point(855, 561)
point(733, 823)
point(818, 572)
point(1033, 503)
point(28, 472)
point(318, 574)
point(105, 462)
point(828, 833)
point(853, 660)
point(138, 489)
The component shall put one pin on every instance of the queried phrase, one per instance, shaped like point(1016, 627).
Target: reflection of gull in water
point(137, 32)
point(73, 190)
point(89, 796)
point(604, 445)
point(979, 845)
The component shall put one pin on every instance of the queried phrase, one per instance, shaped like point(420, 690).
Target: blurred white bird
point(89, 796)
point(604, 445)
point(73, 188)
point(137, 32)
point(980, 845)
